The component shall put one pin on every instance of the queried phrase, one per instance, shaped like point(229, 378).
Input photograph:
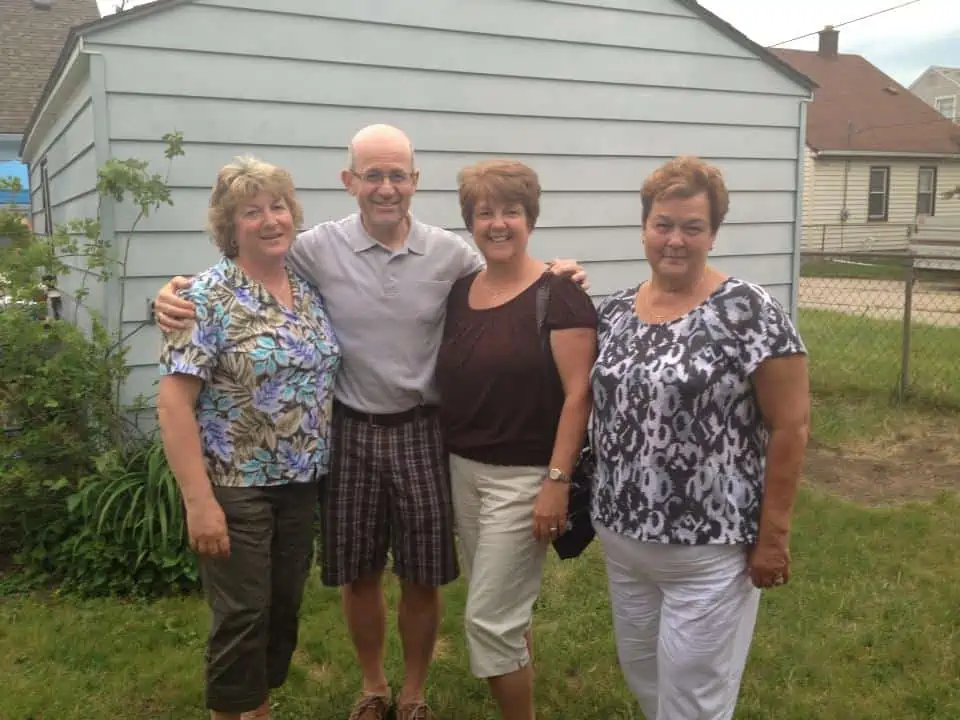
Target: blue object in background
point(12, 168)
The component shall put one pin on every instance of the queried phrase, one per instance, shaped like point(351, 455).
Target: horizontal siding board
point(203, 120)
point(269, 34)
point(948, 177)
point(606, 276)
point(142, 380)
point(73, 138)
point(144, 343)
point(252, 79)
point(79, 175)
point(647, 26)
point(653, 23)
point(79, 207)
point(442, 208)
point(318, 168)
point(165, 254)
point(71, 130)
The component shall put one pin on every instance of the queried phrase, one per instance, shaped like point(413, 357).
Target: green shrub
point(84, 502)
point(56, 414)
point(132, 538)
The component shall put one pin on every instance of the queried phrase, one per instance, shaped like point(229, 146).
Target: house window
point(927, 191)
point(878, 193)
point(45, 198)
point(946, 106)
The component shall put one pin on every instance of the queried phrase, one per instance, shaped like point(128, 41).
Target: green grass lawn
point(868, 628)
point(857, 356)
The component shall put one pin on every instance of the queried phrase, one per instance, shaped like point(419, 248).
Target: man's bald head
point(381, 175)
point(374, 140)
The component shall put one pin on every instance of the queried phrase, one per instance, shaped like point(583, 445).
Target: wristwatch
point(558, 475)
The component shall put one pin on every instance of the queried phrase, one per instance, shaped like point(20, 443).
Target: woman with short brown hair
point(514, 406)
point(701, 413)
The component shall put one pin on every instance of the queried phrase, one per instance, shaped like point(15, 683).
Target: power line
point(849, 22)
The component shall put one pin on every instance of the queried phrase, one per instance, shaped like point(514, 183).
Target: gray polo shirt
point(387, 307)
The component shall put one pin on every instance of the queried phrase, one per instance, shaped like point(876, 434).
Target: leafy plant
point(123, 532)
point(86, 499)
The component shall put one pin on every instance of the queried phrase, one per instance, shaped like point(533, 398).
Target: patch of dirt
point(914, 463)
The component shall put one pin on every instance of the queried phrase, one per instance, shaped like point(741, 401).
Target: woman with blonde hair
point(701, 413)
point(514, 404)
point(244, 409)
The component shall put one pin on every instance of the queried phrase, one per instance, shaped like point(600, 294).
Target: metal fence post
point(909, 277)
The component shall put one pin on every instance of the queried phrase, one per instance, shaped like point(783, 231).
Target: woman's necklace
point(644, 301)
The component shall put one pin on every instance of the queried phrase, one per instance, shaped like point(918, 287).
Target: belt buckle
point(372, 420)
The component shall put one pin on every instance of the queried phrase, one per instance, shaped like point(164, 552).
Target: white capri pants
point(502, 561)
point(684, 618)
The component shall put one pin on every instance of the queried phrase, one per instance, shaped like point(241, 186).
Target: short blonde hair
point(236, 183)
point(506, 181)
point(685, 177)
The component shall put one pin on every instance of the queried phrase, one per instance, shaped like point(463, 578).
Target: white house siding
point(69, 152)
point(593, 95)
point(836, 183)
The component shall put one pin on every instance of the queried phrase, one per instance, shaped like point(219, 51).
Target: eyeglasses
point(375, 177)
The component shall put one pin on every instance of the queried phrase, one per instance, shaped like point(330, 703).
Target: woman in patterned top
point(701, 412)
point(514, 405)
point(244, 407)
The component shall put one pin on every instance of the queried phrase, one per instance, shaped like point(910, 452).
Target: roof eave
point(67, 52)
point(72, 52)
point(765, 54)
point(888, 154)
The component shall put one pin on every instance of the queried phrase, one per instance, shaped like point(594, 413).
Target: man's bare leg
point(365, 610)
point(419, 620)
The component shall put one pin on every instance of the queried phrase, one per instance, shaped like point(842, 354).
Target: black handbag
point(579, 532)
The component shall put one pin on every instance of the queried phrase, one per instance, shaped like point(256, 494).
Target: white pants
point(502, 561)
point(684, 618)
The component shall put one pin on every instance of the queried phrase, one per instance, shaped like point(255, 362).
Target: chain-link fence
point(883, 323)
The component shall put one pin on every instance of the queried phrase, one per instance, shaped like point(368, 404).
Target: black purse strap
point(543, 302)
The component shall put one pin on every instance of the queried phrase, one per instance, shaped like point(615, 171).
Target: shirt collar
point(239, 280)
point(361, 240)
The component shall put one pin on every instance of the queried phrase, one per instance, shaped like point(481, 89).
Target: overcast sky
point(902, 43)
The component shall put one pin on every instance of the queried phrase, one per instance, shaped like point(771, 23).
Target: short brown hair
point(236, 183)
point(685, 177)
point(506, 181)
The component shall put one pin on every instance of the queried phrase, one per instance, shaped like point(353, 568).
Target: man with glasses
point(384, 277)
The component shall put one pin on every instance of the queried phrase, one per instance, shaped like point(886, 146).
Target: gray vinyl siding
point(932, 85)
point(594, 94)
point(69, 152)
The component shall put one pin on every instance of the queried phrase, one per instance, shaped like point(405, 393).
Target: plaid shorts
point(388, 491)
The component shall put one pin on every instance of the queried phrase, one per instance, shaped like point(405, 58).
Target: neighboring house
point(877, 156)
point(32, 33)
point(594, 94)
point(939, 87)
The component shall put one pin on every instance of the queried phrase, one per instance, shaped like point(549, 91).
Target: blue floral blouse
point(268, 373)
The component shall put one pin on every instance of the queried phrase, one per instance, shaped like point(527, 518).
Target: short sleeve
point(763, 329)
point(570, 307)
point(304, 256)
point(470, 259)
point(194, 351)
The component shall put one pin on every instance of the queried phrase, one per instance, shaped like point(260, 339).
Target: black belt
point(387, 419)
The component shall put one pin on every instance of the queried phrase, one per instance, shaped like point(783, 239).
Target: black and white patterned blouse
point(676, 428)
